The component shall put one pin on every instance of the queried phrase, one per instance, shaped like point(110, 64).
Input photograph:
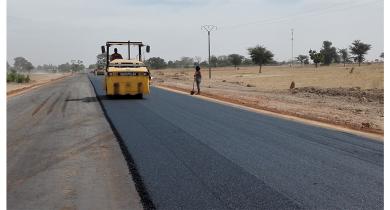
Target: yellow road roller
point(126, 76)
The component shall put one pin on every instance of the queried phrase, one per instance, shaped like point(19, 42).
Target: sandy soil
point(327, 94)
point(36, 80)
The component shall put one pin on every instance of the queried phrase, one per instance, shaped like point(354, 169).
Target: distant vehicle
point(126, 76)
point(99, 71)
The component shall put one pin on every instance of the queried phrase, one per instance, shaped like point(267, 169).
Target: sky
point(56, 32)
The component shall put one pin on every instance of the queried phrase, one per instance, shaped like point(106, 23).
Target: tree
point(260, 56)
point(77, 65)
point(223, 60)
point(92, 66)
point(9, 67)
point(47, 67)
point(156, 63)
point(171, 64)
point(198, 59)
point(359, 49)
point(316, 57)
point(203, 64)
point(185, 62)
point(213, 61)
point(66, 67)
point(329, 53)
point(303, 59)
point(247, 62)
point(344, 55)
point(382, 55)
point(22, 64)
point(235, 59)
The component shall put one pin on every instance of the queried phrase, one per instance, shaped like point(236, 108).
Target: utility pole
point(209, 28)
point(292, 47)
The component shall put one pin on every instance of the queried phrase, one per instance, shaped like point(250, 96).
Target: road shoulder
point(62, 153)
point(23, 88)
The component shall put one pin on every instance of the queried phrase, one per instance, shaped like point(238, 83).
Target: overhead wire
point(316, 12)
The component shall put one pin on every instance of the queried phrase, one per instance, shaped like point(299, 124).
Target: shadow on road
point(85, 99)
point(104, 97)
point(119, 97)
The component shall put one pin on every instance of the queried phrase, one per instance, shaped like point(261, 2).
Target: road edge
point(146, 201)
point(22, 90)
point(372, 136)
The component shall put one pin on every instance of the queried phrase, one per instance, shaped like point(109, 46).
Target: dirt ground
point(36, 79)
point(328, 94)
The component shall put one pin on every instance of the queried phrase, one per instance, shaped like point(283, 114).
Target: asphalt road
point(195, 154)
point(62, 153)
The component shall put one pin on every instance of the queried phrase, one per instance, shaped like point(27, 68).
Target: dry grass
point(280, 77)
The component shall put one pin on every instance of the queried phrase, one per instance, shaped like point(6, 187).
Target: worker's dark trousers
point(198, 84)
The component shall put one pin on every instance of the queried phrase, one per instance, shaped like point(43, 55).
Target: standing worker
point(197, 78)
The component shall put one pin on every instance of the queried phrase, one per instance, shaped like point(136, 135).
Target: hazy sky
point(53, 31)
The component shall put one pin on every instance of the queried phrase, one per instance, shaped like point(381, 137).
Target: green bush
point(20, 78)
point(13, 76)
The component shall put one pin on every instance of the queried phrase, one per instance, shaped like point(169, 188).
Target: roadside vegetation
point(73, 66)
point(13, 76)
point(261, 56)
point(20, 71)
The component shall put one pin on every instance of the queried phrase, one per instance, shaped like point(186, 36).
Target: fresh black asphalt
point(195, 154)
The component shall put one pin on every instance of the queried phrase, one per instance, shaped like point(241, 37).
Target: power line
point(331, 8)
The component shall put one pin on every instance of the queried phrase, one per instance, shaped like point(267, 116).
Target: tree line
point(235, 60)
point(22, 65)
point(20, 70)
point(330, 54)
point(260, 55)
point(75, 66)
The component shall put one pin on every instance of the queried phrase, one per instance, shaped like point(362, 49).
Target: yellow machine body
point(127, 77)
